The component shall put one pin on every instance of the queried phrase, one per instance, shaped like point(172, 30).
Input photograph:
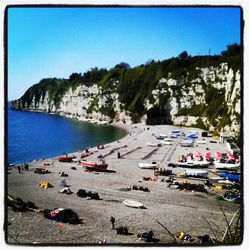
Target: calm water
point(36, 135)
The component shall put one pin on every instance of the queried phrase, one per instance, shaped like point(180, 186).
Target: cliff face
point(208, 98)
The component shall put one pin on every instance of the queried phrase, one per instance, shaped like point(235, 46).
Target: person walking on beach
point(19, 169)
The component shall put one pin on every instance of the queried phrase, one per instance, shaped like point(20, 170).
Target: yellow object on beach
point(45, 184)
point(218, 187)
point(182, 173)
point(216, 137)
point(181, 236)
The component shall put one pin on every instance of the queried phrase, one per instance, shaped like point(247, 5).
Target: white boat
point(221, 165)
point(151, 144)
point(189, 164)
point(196, 172)
point(131, 203)
point(201, 142)
point(148, 165)
point(186, 143)
point(168, 139)
point(160, 136)
point(166, 142)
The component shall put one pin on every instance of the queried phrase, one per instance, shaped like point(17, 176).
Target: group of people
point(23, 167)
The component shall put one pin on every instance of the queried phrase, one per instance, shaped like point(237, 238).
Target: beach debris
point(162, 171)
point(73, 168)
point(122, 230)
point(205, 240)
point(46, 163)
point(66, 190)
point(146, 236)
point(231, 195)
point(186, 186)
point(45, 184)
point(19, 205)
point(139, 187)
point(88, 194)
point(63, 215)
point(150, 178)
point(62, 174)
point(41, 171)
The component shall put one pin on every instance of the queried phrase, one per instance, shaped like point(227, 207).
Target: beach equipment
point(132, 203)
point(148, 165)
point(45, 184)
point(61, 215)
point(41, 171)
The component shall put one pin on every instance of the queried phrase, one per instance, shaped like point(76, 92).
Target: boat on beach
point(148, 165)
point(151, 144)
point(100, 165)
point(226, 165)
point(189, 164)
point(131, 203)
point(65, 158)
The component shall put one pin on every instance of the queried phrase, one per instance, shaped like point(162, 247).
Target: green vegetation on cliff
point(135, 85)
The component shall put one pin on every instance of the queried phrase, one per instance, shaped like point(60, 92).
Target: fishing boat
point(226, 165)
point(131, 203)
point(175, 133)
point(196, 173)
point(189, 164)
point(166, 142)
point(151, 144)
point(161, 136)
point(187, 143)
point(65, 158)
point(100, 165)
point(148, 165)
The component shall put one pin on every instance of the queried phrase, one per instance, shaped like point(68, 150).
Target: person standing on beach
point(112, 219)
point(19, 169)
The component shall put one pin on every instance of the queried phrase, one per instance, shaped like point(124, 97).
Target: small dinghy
point(148, 165)
point(131, 203)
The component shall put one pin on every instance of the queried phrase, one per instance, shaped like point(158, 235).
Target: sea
point(36, 136)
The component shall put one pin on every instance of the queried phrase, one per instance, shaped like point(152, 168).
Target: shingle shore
point(177, 210)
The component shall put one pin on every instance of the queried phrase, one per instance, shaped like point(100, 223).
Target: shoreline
point(177, 210)
point(78, 118)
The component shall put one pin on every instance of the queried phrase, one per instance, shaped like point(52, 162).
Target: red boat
point(65, 158)
point(102, 165)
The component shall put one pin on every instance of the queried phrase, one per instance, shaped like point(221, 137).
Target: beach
point(178, 211)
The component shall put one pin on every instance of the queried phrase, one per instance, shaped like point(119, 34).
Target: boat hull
point(93, 165)
point(134, 204)
point(65, 158)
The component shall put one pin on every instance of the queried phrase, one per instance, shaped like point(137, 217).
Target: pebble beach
point(178, 211)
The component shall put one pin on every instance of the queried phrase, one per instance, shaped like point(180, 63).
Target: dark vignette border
point(5, 42)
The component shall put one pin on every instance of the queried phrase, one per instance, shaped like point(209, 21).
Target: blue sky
point(55, 42)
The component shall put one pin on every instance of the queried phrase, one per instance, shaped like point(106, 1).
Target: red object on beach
point(65, 158)
point(94, 165)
